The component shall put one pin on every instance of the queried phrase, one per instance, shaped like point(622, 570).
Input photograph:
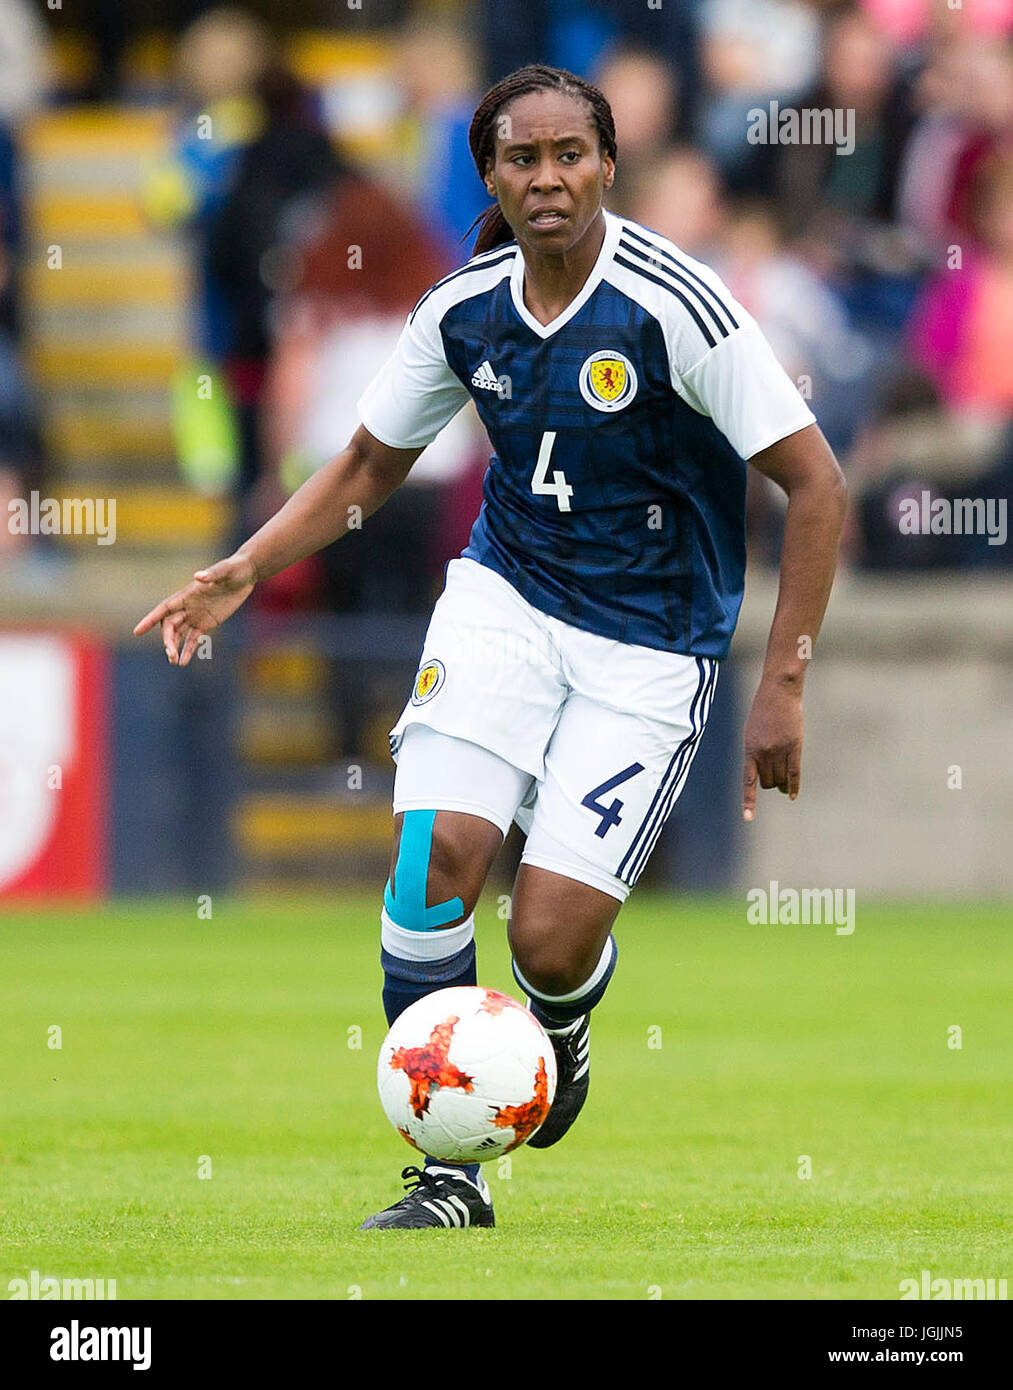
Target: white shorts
point(591, 739)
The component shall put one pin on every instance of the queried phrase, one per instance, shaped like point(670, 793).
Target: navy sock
point(470, 1170)
point(405, 981)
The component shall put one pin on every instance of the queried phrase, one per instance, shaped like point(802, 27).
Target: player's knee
point(436, 874)
point(452, 871)
point(549, 965)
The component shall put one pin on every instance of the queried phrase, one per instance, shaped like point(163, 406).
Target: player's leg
point(559, 928)
point(611, 779)
point(564, 955)
point(469, 742)
point(439, 864)
point(438, 867)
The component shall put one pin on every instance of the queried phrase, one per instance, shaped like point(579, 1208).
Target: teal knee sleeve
point(407, 908)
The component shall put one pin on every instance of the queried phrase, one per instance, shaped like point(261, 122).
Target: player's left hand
point(773, 744)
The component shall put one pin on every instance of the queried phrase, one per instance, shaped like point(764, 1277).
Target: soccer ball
point(466, 1074)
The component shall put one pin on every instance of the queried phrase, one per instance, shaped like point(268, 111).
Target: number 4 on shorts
point(609, 814)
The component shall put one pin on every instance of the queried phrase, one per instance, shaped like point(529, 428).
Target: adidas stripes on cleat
point(437, 1197)
point(573, 1065)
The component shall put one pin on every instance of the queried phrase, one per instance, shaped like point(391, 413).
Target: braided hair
point(493, 228)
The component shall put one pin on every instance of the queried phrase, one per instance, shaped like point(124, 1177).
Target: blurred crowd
point(882, 275)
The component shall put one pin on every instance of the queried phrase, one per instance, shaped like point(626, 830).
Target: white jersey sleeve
point(414, 394)
point(719, 361)
point(737, 381)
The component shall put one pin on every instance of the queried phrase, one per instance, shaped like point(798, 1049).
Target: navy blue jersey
point(615, 499)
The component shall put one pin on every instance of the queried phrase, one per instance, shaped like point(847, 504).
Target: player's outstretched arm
point(362, 476)
point(804, 465)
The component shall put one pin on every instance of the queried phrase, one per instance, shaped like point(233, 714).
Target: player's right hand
point(189, 614)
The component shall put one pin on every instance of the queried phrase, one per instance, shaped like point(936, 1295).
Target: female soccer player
point(571, 659)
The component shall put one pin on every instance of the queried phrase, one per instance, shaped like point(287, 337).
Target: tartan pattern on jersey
point(668, 578)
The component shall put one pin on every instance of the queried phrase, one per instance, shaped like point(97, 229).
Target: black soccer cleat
point(573, 1076)
point(437, 1197)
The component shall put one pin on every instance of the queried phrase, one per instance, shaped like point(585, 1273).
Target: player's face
point(549, 172)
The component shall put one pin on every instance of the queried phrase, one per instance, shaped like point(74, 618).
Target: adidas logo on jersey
point(486, 378)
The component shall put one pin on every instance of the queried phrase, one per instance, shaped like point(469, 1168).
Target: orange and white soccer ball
point(466, 1074)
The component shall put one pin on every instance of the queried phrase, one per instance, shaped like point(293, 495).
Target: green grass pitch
point(229, 1038)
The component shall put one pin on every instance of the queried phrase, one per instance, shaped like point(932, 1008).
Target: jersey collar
point(613, 227)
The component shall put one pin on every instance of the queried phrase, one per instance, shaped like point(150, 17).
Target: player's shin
point(565, 1017)
point(417, 963)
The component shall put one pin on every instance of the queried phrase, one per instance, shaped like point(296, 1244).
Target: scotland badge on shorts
point(428, 681)
point(608, 380)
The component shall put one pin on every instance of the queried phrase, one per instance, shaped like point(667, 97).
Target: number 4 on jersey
point(609, 814)
point(559, 488)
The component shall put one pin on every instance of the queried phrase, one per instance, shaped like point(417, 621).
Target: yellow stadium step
point(91, 132)
point(286, 671)
point(97, 283)
point(157, 517)
point(282, 826)
point(319, 56)
point(123, 366)
point(82, 436)
point(293, 735)
point(84, 215)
